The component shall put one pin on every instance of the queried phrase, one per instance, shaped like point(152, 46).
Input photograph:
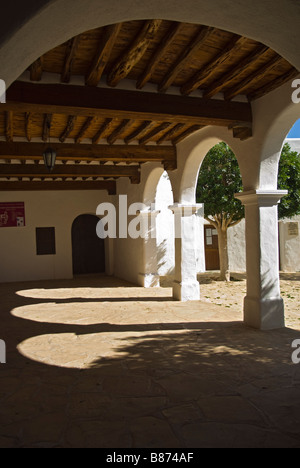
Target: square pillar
point(263, 306)
point(186, 286)
point(148, 276)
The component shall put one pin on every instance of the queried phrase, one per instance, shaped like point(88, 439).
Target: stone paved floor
point(95, 362)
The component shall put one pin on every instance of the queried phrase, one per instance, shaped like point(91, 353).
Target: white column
point(186, 286)
point(263, 307)
point(148, 276)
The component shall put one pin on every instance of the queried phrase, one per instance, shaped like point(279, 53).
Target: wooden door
point(88, 249)
point(212, 256)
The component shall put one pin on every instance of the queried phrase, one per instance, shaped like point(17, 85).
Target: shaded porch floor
point(97, 362)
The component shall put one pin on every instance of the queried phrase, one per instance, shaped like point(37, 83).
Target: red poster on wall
point(12, 214)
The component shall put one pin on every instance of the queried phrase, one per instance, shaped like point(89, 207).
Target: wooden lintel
point(134, 105)
point(20, 186)
point(85, 152)
point(66, 170)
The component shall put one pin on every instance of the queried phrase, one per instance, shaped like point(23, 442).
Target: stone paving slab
point(96, 362)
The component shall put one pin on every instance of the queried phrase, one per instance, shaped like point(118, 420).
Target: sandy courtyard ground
point(97, 362)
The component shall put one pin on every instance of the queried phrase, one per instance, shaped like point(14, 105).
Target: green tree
point(220, 179)
point(289, 179)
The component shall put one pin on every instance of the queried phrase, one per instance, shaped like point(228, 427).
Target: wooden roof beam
point(118, 131)
point(72, 48)
point(252, 78)
point(47, 127)
point(199, 39)
point(164, 45)
point(134, 53)
point(23, 186)
point(66, 170)
point(85, 152)
point(273, 85)
point(134, 105)
point(234, 72)
point(108, 39)
point(69, 128)
point(202, 75)
point(85, 128)
point(150, 135)
point(36, 70)
point(9, 126)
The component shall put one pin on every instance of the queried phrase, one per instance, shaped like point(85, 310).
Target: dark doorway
point(88, 249)
point(212, 256)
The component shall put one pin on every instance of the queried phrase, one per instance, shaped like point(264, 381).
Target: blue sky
point(295, 132)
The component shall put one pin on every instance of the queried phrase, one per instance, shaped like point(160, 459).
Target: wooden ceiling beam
point(164, 45)
point(108, 39)
point(186, 133)
point(23, 186)
point(67, 170)
point(252, 78)
point(118, 131)
point(84, 152)
point(47, 127)
point(9, 126)
point(134, 105)
point(202, 75)
point(28, 124)
point(69, 128)
point(185, 57)
point(150, 135)
point(290, 75)
point(105, 127)
point(134, 53)
point(85, 128)
point(36, 70)
point(72, 48)
point(170, 133)
point(234, 72)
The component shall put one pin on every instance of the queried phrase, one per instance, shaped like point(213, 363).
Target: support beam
point(66, 170)
point(72, 48)
point(281, 80)
point(85, 128)
point(83, 152)
point(233, 73)
point(202, 75)
point(170, 133)
point(69, 128)
point(148, 137)
point(105, 127)
point(47, 127)
point(33, 186)
point(135, 52)
point(118, 131)
point(36, 70)
point(166, 42)
point(134, 105)
point(9, 126)
point(140, 131)
point(110, 34)
point(186, 56)
point(28, 122)
point(253, 78)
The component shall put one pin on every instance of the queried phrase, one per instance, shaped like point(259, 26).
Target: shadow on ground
point(150, 377)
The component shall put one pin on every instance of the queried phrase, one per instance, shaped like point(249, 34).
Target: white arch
point(36, 27)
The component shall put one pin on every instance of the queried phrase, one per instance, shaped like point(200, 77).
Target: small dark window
point(45, 241)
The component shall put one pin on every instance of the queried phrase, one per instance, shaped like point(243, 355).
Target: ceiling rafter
point(72, 47)
point(186, 56)
point(202, 75)
point(94, 74)
point(134, 53)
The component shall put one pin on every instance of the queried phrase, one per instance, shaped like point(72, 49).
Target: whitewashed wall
point(18, 259)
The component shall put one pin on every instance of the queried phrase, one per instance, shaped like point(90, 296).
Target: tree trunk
point(224, 259)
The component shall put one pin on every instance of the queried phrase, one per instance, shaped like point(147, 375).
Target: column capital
point(261, 198)
point(185, 209)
